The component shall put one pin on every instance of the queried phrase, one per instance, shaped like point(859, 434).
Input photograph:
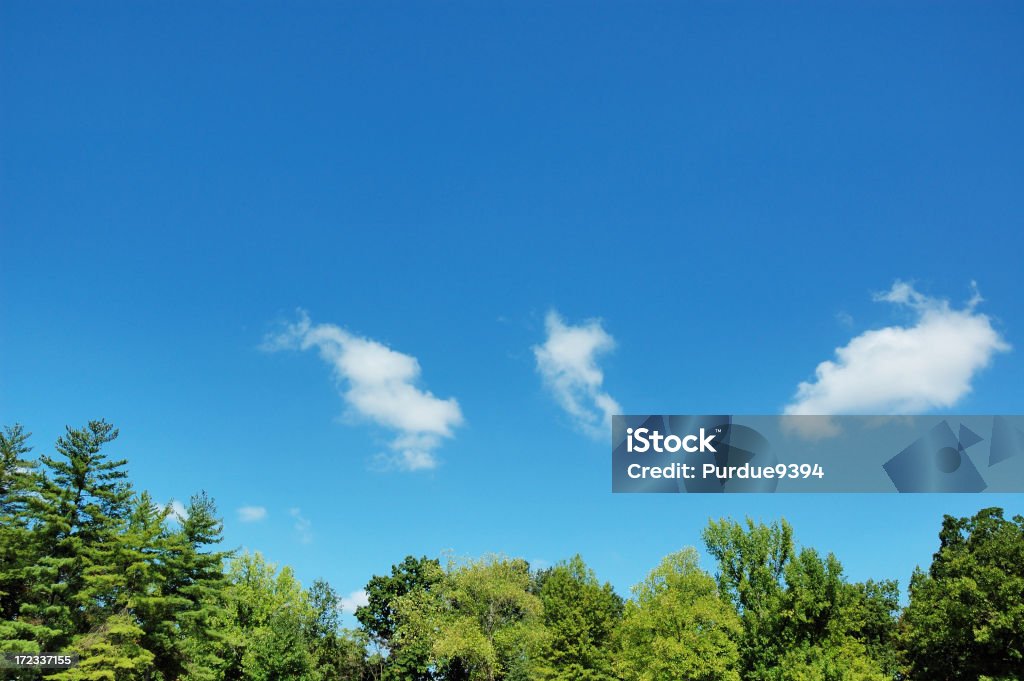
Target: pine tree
point(134, 580)
point(82, 504)
point(110, 653)
point(18, 550)
point(196, 579)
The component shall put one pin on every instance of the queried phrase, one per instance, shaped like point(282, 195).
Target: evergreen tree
point(19, 551)
point(143, 580)
point(124, 574)
point(195, 578)
point(112, 652)
point(82, 503)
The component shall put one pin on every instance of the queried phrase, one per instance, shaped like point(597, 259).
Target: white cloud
point(177, 511)
point(904, 369)
point(567, 362)
point(379, 384)
point(354, 600)
point(303, 527)
point(251, 514)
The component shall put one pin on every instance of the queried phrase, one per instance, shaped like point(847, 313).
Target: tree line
point(89, 565)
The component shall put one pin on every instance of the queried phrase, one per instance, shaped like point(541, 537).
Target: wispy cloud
point(379, 384)
point(905, 369)
point(354, 600)
point(567, 362)
point(252, 514)
point(303, 527)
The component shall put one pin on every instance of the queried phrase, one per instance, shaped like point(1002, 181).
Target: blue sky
point(726, 187)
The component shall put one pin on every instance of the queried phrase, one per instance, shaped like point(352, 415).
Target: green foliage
point(751, 562)
point(581, 616)
point(268, 612)
point(112, 652)
point(480, 620)
point(801, 618)
point(827, 623)
point(846, 660)
point(870, 615)
point(965, 619)
point(325, 644)
point(194, 577)
point(89, 566)
point(812, 599)
point(83, 500)
point(406, 657)
point(353, 663)
point(19, 551)
point(679, 627)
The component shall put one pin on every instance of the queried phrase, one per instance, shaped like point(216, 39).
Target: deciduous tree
point(678, 626)
point(581, 616)
point(965, 619)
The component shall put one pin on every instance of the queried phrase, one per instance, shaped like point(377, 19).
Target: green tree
point(827, 624)
point(406, 658)
point(337, 655)
point(82, 503)
point(965, 619)
point(194, 577)
point(838, 660)
point(581, 616)
point(105, 573)
point(357, 664)
point(677, 627)
point(129, 581)
point(111, 652)
point(268, 614)
point(481, 621)
point(751, 564)
point(801, 618)
point(870, 613)
point(810, 604)
point(19, 550)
